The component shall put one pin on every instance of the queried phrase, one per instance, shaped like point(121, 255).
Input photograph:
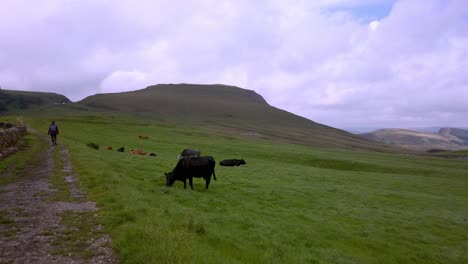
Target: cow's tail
point(213, 164)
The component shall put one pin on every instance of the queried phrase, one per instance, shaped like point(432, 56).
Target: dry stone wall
point(10, 134)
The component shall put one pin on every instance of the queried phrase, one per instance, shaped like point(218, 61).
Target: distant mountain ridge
point(20, 100)
point(445, 139)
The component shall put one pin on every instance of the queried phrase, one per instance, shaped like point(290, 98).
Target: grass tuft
point(75, 239)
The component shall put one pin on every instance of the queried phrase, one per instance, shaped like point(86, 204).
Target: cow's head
point(242, 162)
point(170, 178)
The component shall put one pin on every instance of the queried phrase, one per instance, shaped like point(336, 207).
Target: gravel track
point(31, 223)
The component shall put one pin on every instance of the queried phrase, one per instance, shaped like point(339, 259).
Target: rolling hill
point(231, 109)
point(445, 139)
point(19, 100)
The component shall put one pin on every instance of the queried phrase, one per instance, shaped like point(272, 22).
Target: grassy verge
point(290, 204)
point(30, 147)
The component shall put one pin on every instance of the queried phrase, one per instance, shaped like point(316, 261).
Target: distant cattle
point(189, 153)
point(109, 148)
point(152, 154)
point(232, 162)
point(121, 149)
point(189, 167)
point(143, 136)
point(138, 151)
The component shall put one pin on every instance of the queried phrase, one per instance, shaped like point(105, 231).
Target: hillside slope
point(229, 108)
point(447, 138)
point(19, 100)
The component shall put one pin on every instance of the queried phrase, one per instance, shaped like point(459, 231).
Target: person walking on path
point(53, 132)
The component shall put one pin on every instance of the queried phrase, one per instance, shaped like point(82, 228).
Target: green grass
point(30, 147)
point(62, 188)
point(8, 227)
point(290, 204)
point(452, 154)
point(6, 221)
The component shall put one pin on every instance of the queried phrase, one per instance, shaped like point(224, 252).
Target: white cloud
point(236, 76)
point(122, 81)
point(374, 25)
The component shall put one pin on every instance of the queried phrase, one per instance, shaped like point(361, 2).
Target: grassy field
point(290, 204)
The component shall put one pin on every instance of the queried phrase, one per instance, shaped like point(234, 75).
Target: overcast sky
point(344, 63)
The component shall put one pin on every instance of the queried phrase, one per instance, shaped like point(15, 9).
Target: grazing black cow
point(232, 162)
point(121, 149)
point(189, 167)
point(189, 153)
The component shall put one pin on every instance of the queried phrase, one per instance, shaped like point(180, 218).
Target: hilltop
point(21, 100)
point(445, 139)
point(228, 108)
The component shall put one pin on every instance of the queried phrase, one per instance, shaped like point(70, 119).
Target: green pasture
point(290, 204)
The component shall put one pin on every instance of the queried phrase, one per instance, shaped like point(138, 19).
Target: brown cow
point(143, 136)
point(138, 151)
point(109, 148)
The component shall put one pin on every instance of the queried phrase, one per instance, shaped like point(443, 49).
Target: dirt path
point(45, 217)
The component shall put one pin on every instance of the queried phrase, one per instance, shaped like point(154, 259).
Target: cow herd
point(134, 151)
point(191, 165)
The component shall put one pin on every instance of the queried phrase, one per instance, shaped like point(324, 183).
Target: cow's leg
point(191, 182)
point(208, 179)
point(185, 183)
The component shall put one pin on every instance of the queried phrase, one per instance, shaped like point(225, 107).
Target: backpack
point(53, 128)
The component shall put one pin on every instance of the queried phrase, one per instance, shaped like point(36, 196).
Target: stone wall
point(10, 134)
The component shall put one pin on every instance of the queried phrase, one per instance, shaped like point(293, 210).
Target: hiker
point(53, 132)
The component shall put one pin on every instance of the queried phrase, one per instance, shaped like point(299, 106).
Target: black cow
point(189, 167)
point(232, 162)
point(189, 153)
point(121, 149)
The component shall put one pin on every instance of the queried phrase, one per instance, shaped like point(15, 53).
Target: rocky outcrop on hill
point(446, 139)
point(10, 135)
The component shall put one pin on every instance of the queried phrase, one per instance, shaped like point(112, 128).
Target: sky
point(343, 63)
